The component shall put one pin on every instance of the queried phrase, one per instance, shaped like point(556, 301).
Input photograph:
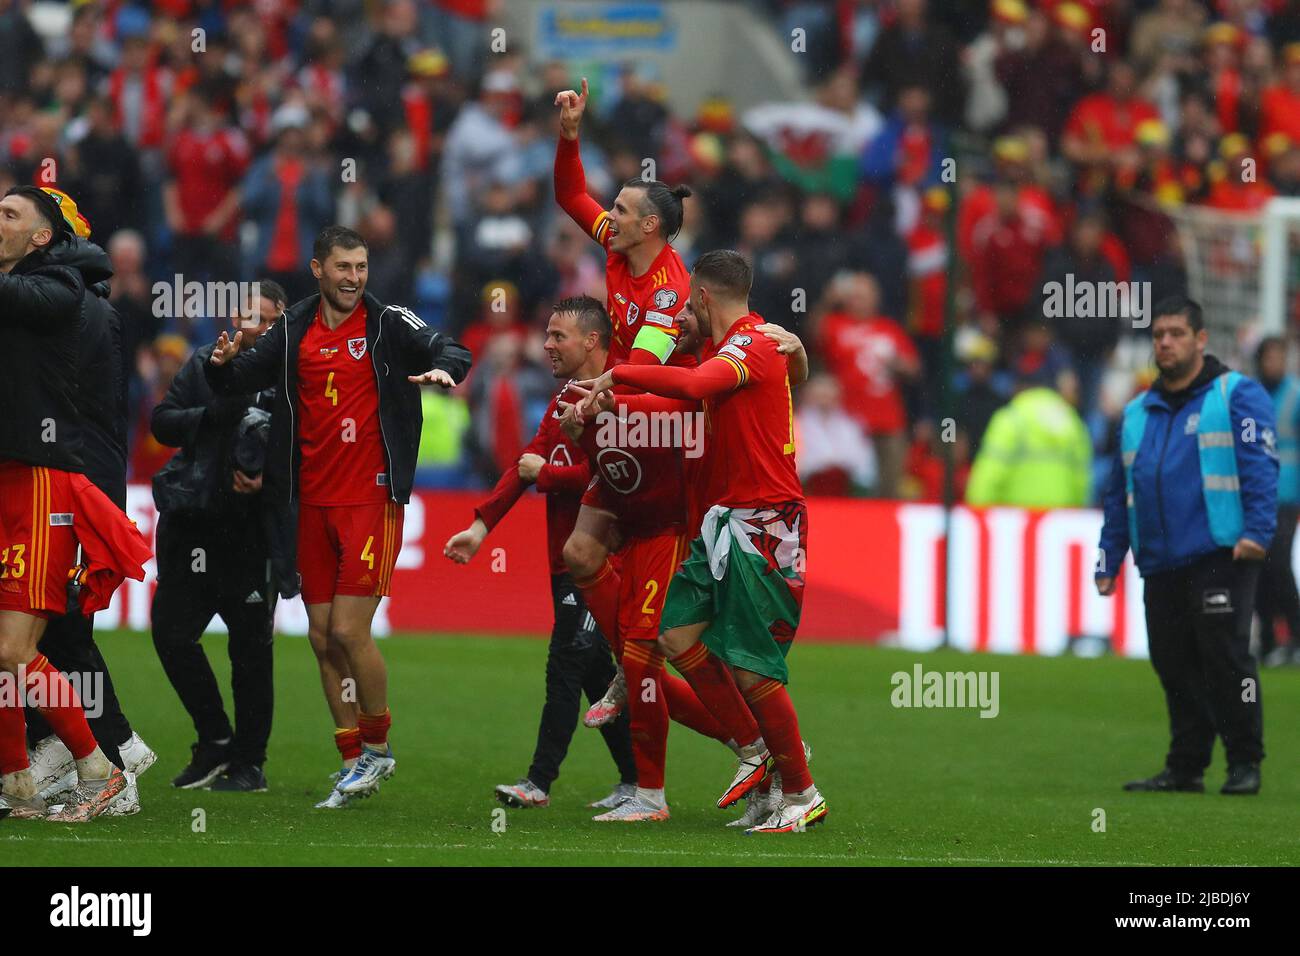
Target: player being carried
point(342, 451)
point(646, 284)
point(739, 593)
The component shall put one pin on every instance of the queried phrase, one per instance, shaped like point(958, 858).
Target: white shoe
point(522, 795)
point(750, 771)
point(51, 760)
point(126, 803)
point(611, 705)
point(335, 801)
point(370, 770)
point(63, 785)
point(136, 755)
point(620, 794)
point(759, 805)
point(634, 810)
point(794, 817)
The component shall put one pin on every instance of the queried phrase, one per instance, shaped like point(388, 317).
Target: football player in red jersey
point(646, 286)
point(578, 658)
point(739, 594)
point(345, 432)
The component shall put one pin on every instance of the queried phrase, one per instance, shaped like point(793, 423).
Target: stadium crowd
point(1075, 129)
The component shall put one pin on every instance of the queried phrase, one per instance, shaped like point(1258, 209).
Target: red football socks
point(348, 740)
point(374, 729)
point(600, 593)
point(13, 728)
point(59, 705)
point(717, 691)
point(772, 706)
point(685, 708)
point(647, 706)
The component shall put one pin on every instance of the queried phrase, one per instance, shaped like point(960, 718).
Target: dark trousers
point(69, 643)
point(577, 662)
point(1198, 631)
point(1277, 588)
point(229, 577)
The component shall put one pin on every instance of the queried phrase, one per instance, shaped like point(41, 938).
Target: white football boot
point(611, 705)
point(137, 755)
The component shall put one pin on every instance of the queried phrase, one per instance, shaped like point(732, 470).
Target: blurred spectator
point(1007, 248)
point(167, 356)
point(1279, 108)
point(507, 396)
point(1277, 593)
point(480, 149)
point(986, 104)
point(1042, 78)
point(925, 465)
point(206, 160)
point(913, 51)
point(1101, 132)
point(287, 195)
point(105, 170)
point(870, 355)
point(835, 457)
point(1092, 336)
point(1236, 183)
point(979, 394)
point(1036, 452)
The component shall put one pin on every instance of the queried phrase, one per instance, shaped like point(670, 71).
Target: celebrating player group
point(690, 550)
point(695, 560)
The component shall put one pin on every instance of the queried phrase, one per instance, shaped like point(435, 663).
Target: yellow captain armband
point(658, 342)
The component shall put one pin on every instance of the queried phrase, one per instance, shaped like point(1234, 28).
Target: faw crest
point(357, 347)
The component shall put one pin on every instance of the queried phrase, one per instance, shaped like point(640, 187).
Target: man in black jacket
point(40, 464)
point(214, 558)
point(345, 431)
point(69, 640)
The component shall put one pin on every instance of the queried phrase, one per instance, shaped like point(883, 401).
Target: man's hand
point(596, 387)
point(1247, 550)
point(463, 545)
point(245, 485)
point(227, 348)
point(572, 105)
point(433, 377)
point(1105, 586)
point(787, 343)
point(530, 466)
point(571, 421)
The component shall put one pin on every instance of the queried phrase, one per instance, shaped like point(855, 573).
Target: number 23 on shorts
point(15, 552)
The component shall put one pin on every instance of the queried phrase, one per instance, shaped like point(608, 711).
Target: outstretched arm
point(570, 180)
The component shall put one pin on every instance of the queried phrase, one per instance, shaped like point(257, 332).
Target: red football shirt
point(343, 461)
point(749, 454)
point(859, 353)
point(562, 479)
point(206, 166)
point(633, 302)
point(637, 453)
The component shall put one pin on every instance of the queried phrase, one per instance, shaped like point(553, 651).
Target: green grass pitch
point(904, 786)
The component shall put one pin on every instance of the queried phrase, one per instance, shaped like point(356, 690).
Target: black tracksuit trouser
point(578, 661)
point(1198, 633)
point(1277, 587)
point(217, 566)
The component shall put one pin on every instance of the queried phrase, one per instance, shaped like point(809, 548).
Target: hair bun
point(681, 192)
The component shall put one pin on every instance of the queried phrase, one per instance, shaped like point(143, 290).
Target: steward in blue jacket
point(1277, 586)
point(1193, 494)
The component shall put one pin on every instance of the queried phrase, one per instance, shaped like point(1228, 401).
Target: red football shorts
point(648, 564)
point(38, 548)
point(348, 549)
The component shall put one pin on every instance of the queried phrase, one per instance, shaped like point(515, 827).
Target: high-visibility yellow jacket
point(1036, 453)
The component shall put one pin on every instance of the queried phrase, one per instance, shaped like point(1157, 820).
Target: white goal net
point(1244, 269)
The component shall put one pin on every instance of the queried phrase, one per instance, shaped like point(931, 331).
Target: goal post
point(1244, 269)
